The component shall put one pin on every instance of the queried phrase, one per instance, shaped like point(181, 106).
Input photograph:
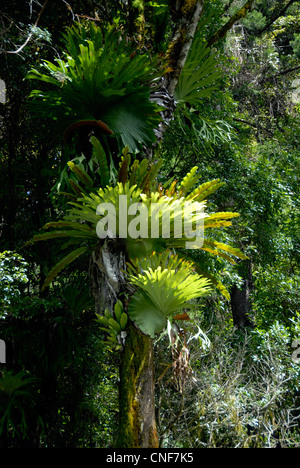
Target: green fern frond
point(141, 171)
point(204, 190)
point(62, 264)
point(207, 247)
point(153, 172)
point(219, 219)
point(170, 192)
point(81, 175)
point(188, 182)
point(75, 233)
point(147, 184)
point(69, 196)
point(69, 224)
point(133, 172)
point(77, 189)
point(200, 75)
point(232, 250)
point(100, 156)
point(124, 167)
point(51, 235)
point(220, 249)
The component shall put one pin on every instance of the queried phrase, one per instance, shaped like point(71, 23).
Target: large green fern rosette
point(100, 78)
point(166, 284)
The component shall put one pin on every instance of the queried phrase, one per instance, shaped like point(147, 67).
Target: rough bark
point(184, 36)
point(137, 425)
point(188, 15)
point(107, 280)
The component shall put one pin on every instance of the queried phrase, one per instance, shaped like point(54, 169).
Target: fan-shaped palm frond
point(81, 175)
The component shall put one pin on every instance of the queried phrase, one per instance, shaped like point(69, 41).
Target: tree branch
point(30, 34)
point(241, 13)
point(282, 73)
point(276, 16)
point(189, 36)
point(252, 124)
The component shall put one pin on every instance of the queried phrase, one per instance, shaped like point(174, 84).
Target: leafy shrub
point(296, 45)
point(242, 393)
point(276, 295)
point(17, 405)
point(254, 21)
point(13, 274)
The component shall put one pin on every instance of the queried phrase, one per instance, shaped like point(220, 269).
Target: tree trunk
point(107, 280)
point(188, 18)
point(240, 297)
point(240, 14)
point(137, 426)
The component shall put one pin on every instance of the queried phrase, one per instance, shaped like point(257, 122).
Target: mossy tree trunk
point(137, 425)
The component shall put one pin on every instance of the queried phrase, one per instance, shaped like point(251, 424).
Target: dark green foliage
point(102, 77)
point(57, 401)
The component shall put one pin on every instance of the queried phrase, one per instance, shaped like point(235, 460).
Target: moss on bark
point(137, 427)
point(240, 14)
